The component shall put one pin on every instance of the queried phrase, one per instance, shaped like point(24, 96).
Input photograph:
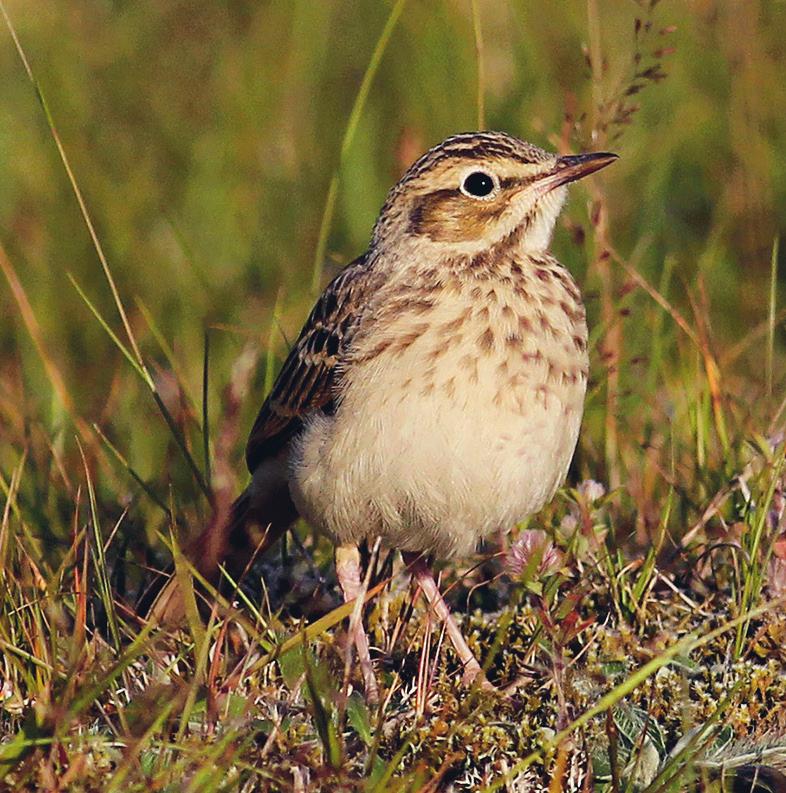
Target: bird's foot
point(473, 674)
point(348, 573)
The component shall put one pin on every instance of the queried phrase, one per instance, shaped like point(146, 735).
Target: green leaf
point(14, 751)
point(292, 666)
point(318, 685)
point(357, 713)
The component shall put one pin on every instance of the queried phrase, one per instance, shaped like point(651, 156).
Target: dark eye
point(478, 184)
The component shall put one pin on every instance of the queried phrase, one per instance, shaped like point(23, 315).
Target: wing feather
point(307, 379)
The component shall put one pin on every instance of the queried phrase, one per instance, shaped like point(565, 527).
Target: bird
point(435, 393)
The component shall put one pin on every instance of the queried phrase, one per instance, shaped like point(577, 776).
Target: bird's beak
point(576, 166)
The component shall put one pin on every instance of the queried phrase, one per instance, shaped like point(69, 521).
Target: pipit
point(435, 393)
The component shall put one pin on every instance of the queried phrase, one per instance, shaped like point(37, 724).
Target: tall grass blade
point(206, 410)
point(753, 562)
point(100, 568)
point(481, 78)
point(127, 354)
point(322, 712)
point(75, 187)
point(169, 353)
point(180, 440)
point(771, 315)
point(349, 135)
point(142, 371)
point(149, 492)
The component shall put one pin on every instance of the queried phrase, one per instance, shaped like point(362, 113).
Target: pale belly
point(436, 465)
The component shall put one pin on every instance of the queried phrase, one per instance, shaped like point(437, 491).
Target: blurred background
point(204, 137)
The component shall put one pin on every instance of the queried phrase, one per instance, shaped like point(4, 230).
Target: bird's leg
point(425, 579)
point(348, 572)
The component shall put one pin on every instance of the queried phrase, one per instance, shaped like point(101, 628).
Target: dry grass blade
point(34, 329)
point(100, 567)
point(317, 628)
point(10, 506)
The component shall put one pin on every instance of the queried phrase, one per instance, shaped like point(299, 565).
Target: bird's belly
point(436, 464)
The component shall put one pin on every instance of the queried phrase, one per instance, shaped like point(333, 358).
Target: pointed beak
point(577, 166)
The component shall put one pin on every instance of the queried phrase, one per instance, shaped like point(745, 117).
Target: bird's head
point(475, 189)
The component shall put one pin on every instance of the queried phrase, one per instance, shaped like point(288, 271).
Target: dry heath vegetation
point(177, 181)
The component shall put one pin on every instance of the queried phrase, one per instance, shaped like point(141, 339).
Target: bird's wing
point(306, 380)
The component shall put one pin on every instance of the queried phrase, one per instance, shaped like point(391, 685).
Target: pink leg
point(348, 572)
point(425, 578)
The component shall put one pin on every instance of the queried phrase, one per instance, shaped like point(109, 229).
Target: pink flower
point(533, 551)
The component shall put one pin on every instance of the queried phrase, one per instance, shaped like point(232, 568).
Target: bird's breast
point(508, 338)
point(459, 412)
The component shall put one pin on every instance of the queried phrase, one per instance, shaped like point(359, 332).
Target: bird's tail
point(233, 538)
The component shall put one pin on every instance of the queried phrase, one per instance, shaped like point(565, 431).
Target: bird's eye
point(478, 184)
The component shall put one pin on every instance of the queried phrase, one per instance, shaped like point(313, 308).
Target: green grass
point(176, 182)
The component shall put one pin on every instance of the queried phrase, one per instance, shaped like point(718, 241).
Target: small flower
point(591, 490)
point(585, 516)
point(569, 523)
point(533, 551)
